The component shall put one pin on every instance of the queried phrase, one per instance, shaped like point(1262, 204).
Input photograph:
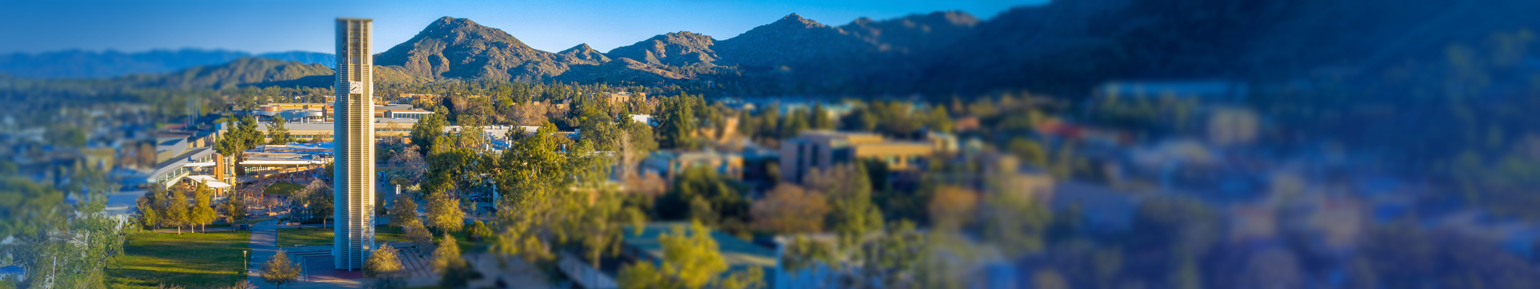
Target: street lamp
point(245, 263)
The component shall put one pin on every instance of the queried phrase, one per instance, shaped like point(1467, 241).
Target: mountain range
point(1055, 47)
point(105, 64)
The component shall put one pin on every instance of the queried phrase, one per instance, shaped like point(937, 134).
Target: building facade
point(822, 150)
point(353, 189)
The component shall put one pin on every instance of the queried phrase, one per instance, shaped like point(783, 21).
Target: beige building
point(383, 127)
point(823, 150)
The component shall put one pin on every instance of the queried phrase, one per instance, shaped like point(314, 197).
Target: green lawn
point(323, 236)
point(283, 188)
point(192, 260)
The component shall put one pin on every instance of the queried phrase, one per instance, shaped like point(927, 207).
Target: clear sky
point(284, 25)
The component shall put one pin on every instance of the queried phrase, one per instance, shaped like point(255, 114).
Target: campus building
point(353, 238)
point(822, 150)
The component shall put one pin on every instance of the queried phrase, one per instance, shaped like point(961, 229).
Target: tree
point(444, 212)
point(235, 210)
point(821, 119)
point(677, 128)
point(636, 142)
point(385, 267)
point(403, 212)
point(239, 137)
point(753, 278)
point(643, 275)
point(427, 129)
point(454, 271)
point(938, 120)
point(478, 231)
point(148, 217)
point(599, 225)
point(1014, 221)
point(279, 270)
point(849, 191)
point(953, 207)
point(61, 244)
point(278, 131)
point(805, 253)
point(419, 236)
point(447, 255)
point(175, 211)
point(691, 257)
point(317, 200)
point(700, 193)
point(599, 128)
point(788, 209)
point(1029, 151)
point(413, 165)
point(534, 174)
point(202, 211)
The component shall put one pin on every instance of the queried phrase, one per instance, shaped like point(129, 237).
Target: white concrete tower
point(353, 188)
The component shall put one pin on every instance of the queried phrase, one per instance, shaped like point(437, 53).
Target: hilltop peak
point(454, 22)
point(459, 48)
point(581, 47)
point(796, 20)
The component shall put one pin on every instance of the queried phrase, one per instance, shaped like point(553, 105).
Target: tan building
point(823, 150)
point(383, 127)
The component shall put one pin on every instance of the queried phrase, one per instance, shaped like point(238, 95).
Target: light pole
point(246, 264)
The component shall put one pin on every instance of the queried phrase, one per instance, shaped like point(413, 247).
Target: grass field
point(283, 188)
point(192, 260)
point(323, 236)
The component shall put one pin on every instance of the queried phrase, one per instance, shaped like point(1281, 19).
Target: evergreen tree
point(678, 126)
point(279, 270)
point(427, 129)
point(240, 135)
point(278, 131)
point(794, 124)
point(820, 117)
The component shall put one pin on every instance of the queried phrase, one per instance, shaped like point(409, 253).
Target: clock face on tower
point(355, 87)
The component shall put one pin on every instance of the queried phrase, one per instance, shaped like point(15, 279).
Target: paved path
point(264, 243)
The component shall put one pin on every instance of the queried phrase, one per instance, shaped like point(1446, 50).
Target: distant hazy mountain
point(327, 59)
point(245, 70)
point(104, 64)
point(93, 64)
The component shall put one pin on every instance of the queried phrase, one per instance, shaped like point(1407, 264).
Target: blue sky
point(284, 25)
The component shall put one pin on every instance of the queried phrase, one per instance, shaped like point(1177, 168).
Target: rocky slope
point(459, 48)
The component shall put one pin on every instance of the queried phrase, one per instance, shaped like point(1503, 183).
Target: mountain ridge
point(1061, 46)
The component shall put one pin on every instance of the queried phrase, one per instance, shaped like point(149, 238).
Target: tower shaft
point(353, 190)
